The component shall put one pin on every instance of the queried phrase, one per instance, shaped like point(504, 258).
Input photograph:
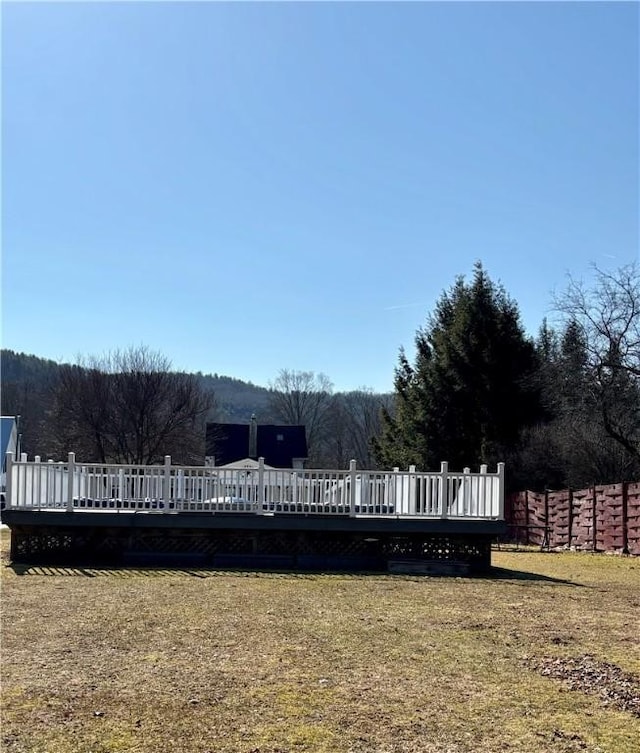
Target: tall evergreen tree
point(402, 440)
point(471, 390)
point(574, 388)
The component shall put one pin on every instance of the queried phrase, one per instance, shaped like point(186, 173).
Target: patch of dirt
point(615, 687)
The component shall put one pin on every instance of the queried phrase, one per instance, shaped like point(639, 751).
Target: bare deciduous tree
point(608, 316)
point(301, 398)
point(355, 418)
point(129, 406)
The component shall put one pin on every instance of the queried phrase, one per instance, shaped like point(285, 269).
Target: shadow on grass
point(503, 573)
point(98, 571)
point(86, 571)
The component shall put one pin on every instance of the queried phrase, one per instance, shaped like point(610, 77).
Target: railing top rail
point(293, 471)
point(86, 464)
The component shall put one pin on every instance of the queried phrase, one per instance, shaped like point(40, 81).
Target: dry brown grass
point(194, 661)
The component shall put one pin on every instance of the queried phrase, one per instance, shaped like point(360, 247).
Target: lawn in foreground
point(148, 661)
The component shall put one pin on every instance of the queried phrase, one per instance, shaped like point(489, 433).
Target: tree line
point(561, 408)
point(130, 406)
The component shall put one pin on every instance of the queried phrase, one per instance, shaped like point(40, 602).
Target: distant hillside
point(21, 367)
point(236, 400)
point(27, 382)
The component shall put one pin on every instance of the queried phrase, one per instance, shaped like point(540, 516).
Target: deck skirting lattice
point(216, 547)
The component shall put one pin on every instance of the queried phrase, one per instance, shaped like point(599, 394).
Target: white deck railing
point(71, 485)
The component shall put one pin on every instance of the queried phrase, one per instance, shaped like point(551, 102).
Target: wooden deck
point(313, 520)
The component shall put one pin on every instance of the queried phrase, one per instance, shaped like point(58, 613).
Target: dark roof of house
point(278, 445)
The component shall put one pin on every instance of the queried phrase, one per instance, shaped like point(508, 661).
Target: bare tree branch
point(608, 316)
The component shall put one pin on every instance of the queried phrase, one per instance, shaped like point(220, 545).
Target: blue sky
point(250, 187)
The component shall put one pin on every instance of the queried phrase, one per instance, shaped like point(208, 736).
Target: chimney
point(253, 437)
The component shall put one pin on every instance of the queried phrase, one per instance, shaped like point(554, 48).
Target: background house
point(240, 445)
point(9, 441)
point(8, 437)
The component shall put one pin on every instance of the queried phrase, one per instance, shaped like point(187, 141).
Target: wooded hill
point(28, 383)
point(132, 409)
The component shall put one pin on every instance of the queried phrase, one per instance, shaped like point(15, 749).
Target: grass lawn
point(543, 658)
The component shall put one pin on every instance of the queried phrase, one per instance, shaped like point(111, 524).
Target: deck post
point(166, 490)
point(36, 483)
point(294, 490)
point(9, 479)
point(71, 462)
point(501, 491)
point(466, 492)
point(352, 476)
point(484, 474)
point(50, 484)
point(259, 500)
point(411, 506)
point(393, 496)
point(444, 488)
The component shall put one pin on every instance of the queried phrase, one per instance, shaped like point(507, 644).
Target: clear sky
point(249, 187)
